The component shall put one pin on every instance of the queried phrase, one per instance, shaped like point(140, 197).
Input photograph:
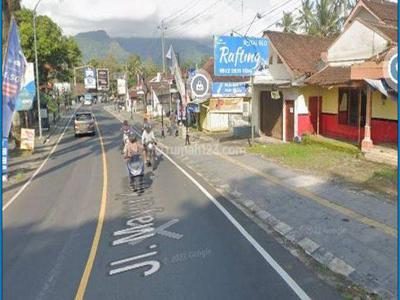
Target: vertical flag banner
point(14, 69)
point(176, 71)
point(13, 72)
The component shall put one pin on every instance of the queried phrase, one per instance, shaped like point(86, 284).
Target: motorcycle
point(136, 172)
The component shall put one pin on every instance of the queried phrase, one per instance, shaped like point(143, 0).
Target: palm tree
point(288, 23)
point(306, 14)
point(343, 8)
point(326, 20)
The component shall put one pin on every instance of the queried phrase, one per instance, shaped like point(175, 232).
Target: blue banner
point(27, 93)
point(230, 89)
point(14, 69)
point(239, 56)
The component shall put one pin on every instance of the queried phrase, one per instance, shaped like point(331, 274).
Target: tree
point(325, 21)
point(288, 23)
point(57, 54)
point(150, 69)
point(134, 66)
point(306, 15)
point(9, 9)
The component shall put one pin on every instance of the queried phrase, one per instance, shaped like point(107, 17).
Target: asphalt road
point(168, 242)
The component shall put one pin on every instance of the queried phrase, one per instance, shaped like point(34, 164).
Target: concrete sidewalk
point(21, 164)
point(351, 232)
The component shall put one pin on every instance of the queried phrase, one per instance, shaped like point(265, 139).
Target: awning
point(381, 86)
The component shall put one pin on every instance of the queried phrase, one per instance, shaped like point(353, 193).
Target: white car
point(87, 102)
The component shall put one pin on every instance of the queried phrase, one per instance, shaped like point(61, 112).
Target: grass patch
point(19, 176)
point(331, 144)
point(339, 161)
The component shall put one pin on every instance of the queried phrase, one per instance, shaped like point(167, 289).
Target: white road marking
point(129, 259)
point(282, 273)
point(39, 169)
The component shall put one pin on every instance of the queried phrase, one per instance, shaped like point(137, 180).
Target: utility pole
point(162, 27)
point(37, 71)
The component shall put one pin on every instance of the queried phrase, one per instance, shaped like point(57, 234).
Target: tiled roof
point(209, 67)
point(386, 11)
point(331, 76)
point(300, 52)
point(388, 31)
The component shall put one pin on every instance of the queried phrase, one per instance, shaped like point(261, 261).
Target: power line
point(263, 14)
point(181, 12)
point(274, 23)
point(198, 14)
point(189, 24)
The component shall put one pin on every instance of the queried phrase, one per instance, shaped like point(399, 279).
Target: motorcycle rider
point(132, 148)
point(126, 131)
point(148, 137)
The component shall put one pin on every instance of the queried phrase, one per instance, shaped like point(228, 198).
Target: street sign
point(27, 93)
point(200, 85)
point(121, 86)
point(391, 69)
point(90, 78)
point(103, 79)
point(230, 89)
point(239, 56)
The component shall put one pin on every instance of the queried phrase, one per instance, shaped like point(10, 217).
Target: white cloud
point(141, 17)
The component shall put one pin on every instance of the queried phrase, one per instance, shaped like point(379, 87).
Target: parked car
point(84, 123)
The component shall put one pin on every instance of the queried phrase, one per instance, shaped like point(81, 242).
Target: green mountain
point(97, 44)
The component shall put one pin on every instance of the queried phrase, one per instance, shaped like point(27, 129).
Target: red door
point(314, 107)
point(289, 120)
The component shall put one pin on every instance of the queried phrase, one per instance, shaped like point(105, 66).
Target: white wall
point(278, 71)
point(357, 43)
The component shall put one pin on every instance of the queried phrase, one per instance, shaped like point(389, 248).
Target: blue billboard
point(239, 56)
point(230, 89)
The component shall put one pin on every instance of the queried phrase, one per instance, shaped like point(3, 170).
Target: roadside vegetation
point(332, 160)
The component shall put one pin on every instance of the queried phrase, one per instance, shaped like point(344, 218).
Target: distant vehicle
point(84, 123)
point(88, 99)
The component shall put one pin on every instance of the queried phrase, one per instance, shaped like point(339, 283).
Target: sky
point(183, 18)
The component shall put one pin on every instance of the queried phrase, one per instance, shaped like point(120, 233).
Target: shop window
point(349, 107)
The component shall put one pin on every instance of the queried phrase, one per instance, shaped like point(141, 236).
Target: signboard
point(239, 56)
point(121, 86)
point(226, 105)
point(391, 69)
point(275, 95)
point(230, 89)
point(90, 78)
point(43, 113)
point(27, 139)
point(200, 85)
point(103, 79)
point(62, 87)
